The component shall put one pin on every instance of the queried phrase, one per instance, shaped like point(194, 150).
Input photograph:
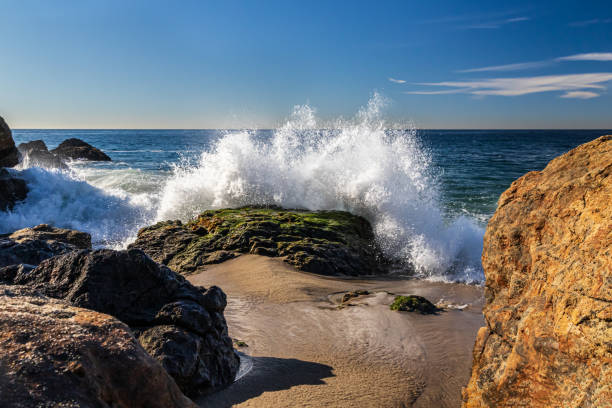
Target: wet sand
point(306, 351)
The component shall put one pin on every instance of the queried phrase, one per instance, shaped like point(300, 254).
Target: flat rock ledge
point(57, 355)
point(323, 242)
point(548, 266)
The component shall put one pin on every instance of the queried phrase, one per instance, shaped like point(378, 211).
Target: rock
point(36, 154)
point(77, 149)
point(12, 190)
point(30, 246)
point(324, 242)
point(548, 265)
point(413, 303)
point(54, 354)
point(9, 155)
point(46, 232)
point(179, 324)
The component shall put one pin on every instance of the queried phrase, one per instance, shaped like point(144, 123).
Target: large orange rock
point(55, 355)
point(548, 266)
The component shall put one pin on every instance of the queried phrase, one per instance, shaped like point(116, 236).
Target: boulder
point(9, 155)
point(12, 190)
point(30, 246)
point(54, 354)
point(324, 242)
point(36, 154)
point(181, 325)
point(76, 149)
point(548, 265)
point(45, 232)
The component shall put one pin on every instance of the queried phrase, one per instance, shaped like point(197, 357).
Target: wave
point(361, 165)
point(63, 199)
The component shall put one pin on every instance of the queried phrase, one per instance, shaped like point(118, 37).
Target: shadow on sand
point(268, 374)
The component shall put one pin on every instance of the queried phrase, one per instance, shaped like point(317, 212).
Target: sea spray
point(63, 199)
point(361, 165)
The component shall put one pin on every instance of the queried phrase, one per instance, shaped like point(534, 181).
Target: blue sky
point(226, 64)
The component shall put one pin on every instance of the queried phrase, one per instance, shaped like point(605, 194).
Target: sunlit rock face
point(548, 266)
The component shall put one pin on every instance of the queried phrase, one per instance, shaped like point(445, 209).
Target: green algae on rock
point(413, 303)
point(324, 242)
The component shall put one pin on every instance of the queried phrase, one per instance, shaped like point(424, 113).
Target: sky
point(185, 64)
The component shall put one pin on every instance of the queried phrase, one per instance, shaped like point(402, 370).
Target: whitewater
point(363, 165)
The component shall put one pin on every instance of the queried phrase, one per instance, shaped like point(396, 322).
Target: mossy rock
point(324, 242)
point(413, 303)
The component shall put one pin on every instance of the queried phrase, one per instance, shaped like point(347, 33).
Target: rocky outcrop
point(45, 232)
point(12, 190)
point(30, 246)
point(548, 266)
point(182, 326)
point(324, 242)
point(9, 155)
point(76, 149)
point(36, 154)
point(54, 354)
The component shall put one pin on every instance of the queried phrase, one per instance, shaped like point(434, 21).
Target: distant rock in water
point(12, 190)
point(9, 155)
point(548, 266)
point(77, 149)
point(324, 242)
point(36, 154)
point(30, 246)
point(180, 325)
point(54, 354)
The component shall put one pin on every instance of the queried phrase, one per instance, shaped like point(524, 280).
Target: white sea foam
point(63, 199)
point(360, 166)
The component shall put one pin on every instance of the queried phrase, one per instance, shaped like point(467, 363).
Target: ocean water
point(427, 193)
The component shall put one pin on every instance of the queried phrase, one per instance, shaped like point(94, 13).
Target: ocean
point(427, 193)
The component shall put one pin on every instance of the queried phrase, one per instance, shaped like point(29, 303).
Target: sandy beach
point(308, 350)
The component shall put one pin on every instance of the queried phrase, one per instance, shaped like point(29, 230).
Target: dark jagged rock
point(12, 190)
point(9, 155)
point(30, 246)
point(77, 149)
point(36, 154)
point(324, 242)
point(179, 324)
point(57, 355)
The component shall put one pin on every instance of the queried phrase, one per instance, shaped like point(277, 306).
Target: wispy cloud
point(575, 85)
point(580, 94)
point(397, 81)
point(508, 67)
point(585, 23)
point(496, 23)
point(592, 56)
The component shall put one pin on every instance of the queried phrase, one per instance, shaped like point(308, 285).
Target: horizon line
point(246, 128)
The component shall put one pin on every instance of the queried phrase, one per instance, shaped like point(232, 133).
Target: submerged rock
point(30, 246)
point(12, 190)
point(54, 354)
point(9, 155)
point(324, 242)
point(77, 149)
point(36, 154)
point(181, 325)
point(548, 266)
